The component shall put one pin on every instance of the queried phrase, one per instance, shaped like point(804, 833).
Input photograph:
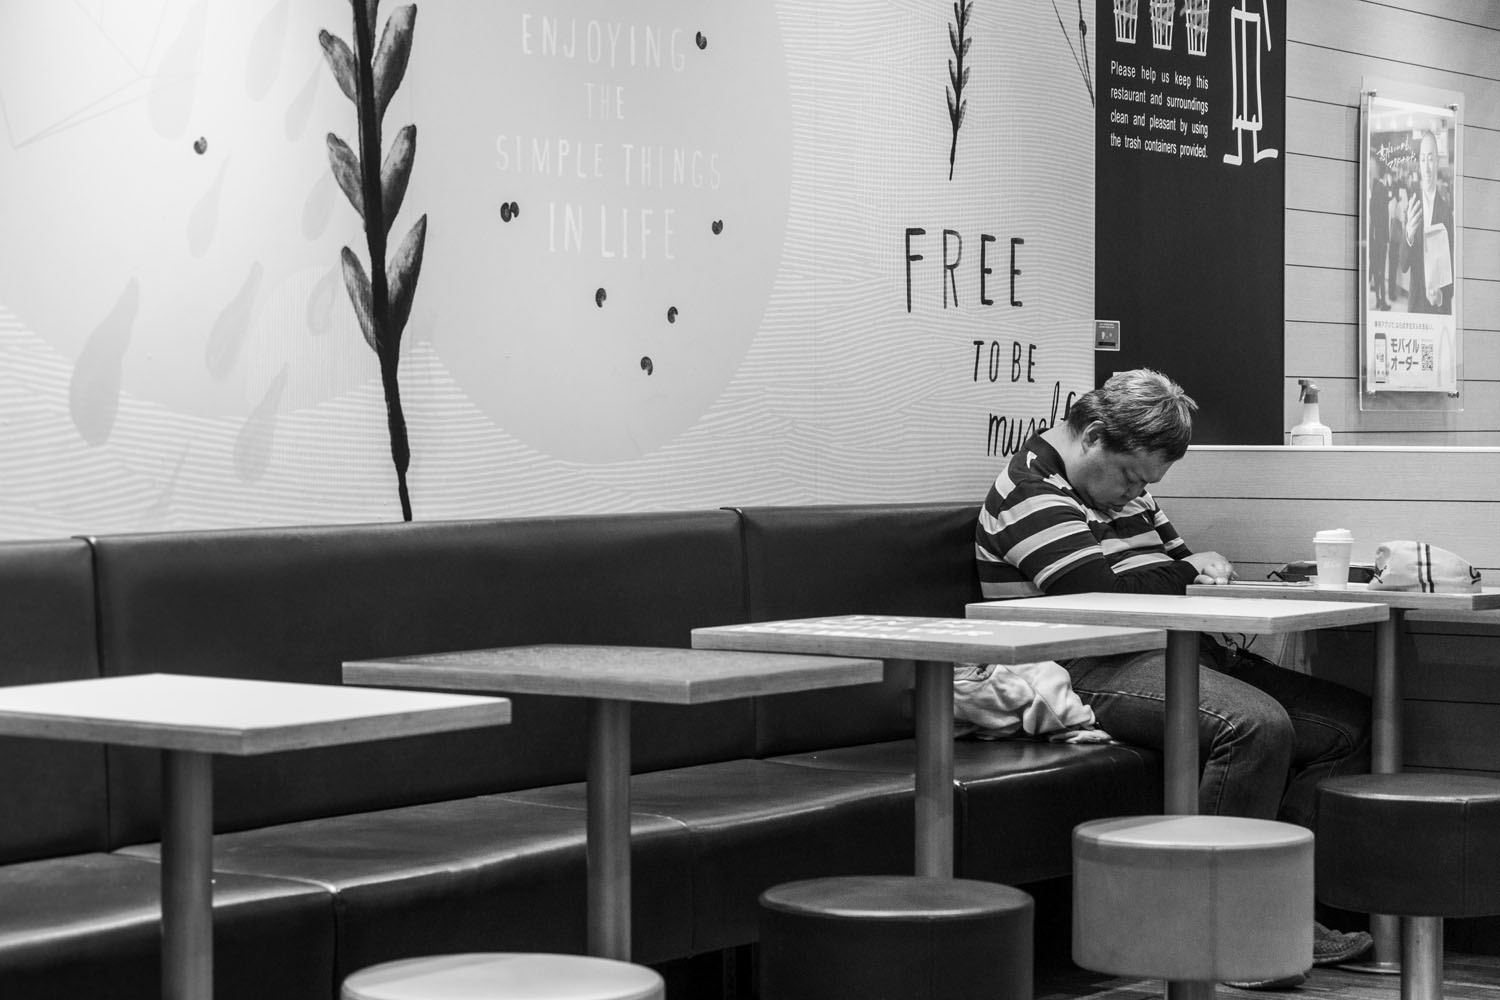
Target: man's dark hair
point(1139, 410)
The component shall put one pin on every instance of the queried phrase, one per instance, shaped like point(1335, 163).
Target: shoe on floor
point(1284, 983)
point(1332, 947)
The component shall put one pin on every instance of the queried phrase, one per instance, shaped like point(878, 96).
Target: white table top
point(231, 715)
point(624, 673)
point(1488, 598)
point(1176, 611)
point(943, 639)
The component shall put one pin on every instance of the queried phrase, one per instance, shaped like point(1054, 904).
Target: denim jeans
point(1266, 735)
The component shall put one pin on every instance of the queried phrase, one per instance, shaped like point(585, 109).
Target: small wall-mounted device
point(1106, 335)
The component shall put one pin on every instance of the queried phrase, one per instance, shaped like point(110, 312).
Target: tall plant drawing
point(1081, 53)
point(369, 76)
point(958, 73)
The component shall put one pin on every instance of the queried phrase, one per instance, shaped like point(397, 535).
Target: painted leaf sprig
point(958, 73)
point(391, 57)
point(376, 186)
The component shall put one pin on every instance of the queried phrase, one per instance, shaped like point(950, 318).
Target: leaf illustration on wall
point(266, 46)
point(958, 73)
point(231, 326)
point(320, 304)
point(300, 109)
point(252, 446)
point(203, 220)
point(376, 186)
point(94, 389)
point(175, 83)
point(317, 207)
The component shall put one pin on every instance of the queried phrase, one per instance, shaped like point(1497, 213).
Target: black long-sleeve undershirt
point(1095, 576)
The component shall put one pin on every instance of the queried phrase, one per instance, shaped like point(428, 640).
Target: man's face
point(1107, 480)
point(1427, 164)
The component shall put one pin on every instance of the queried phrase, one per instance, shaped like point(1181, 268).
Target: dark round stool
point(1419, 846)
point(865, 936)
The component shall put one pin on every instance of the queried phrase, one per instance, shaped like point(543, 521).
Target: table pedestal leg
point(187, 910)
point(933, 708)
point(1422, 958)
point(1183, 989)
point(1180, 750)
point(1181, 737)
point(1385, 758)
point(608, 850)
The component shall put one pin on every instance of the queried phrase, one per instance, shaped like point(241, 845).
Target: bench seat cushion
point(1017, 801)
point(489, 873)
point(89, 925)
point(754, 824)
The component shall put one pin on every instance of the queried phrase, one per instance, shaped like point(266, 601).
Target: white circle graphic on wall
point(607, 221)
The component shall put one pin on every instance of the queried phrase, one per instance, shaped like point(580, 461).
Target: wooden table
point(612, 677)
point(1385, 691)
point(192, 718)
point(1184, 617)
point(934, 644)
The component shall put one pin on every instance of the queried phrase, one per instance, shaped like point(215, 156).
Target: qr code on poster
point(1424, 358)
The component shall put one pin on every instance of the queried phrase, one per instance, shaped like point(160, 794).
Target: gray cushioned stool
point(866, 936)
point(1193, 900)
point(1418, 846)
point(504, 976)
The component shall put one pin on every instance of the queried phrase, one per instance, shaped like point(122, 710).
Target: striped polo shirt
point(1034, 528)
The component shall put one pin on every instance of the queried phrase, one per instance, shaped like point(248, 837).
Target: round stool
point(1418, 846)
point(1194, 900)
point(863, 936)
point(504, 976)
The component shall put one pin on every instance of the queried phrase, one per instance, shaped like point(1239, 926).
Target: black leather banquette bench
point(330, 860)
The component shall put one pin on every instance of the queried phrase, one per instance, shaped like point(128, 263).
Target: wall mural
point(672, 254)
point(375, 184)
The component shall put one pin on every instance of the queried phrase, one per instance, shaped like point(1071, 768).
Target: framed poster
point(1411, 237)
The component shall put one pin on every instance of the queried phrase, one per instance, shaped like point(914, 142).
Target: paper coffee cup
point(1332, 548)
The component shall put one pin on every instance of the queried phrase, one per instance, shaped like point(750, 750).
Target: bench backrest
point(292, 604)
point(893, 559)
point(53, 791)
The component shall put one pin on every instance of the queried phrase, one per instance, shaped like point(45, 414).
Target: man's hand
point(1413, 219)
point(1212, 568)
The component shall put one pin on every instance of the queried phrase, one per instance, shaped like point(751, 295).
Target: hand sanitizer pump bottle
point(1312, 430)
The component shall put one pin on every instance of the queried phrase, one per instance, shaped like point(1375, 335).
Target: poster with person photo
point(1411, 237)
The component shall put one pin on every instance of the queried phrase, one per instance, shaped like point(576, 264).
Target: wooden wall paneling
point(1334, 473)
point(1322, 128)
point(1321, 294)
point(1481, 201)
point(1282, 530)
point(1384, 32)
point(1339, 407)
point(1331, 131)
point(1318, 184)
point(1335, 75)
point(1450, 667)
point(1481, 146)
point(1447, 734)
point(1321, 350)
point(1321, 239)
point(1328, 295)
point(1482, 13)
point(1482, 256)
point(1433, 439)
